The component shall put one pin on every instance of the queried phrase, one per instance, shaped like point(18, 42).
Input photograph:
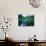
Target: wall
point(11, 8)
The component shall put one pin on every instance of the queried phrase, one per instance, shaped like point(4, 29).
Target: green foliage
point(30, 20)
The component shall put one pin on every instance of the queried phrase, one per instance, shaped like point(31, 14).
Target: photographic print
point(25, 20)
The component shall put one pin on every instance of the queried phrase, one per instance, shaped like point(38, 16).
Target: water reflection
point(24, 22)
